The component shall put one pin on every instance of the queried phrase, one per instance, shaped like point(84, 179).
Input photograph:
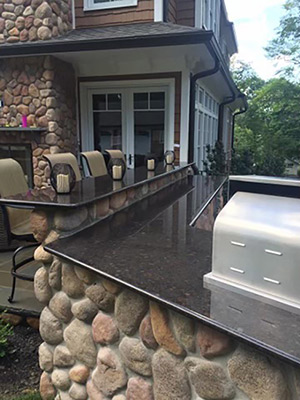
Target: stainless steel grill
point(256, 248)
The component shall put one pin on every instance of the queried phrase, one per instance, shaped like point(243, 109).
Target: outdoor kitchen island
point(126, 311)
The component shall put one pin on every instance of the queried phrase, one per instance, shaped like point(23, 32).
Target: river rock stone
point(136, 356)
point(119, 397)
point(130, 309)
point(118, 200)
point(60, 305)
point(42, 288)
point(45, 357)
point(78, 392)
point(162, 331)
point(170, 377)
point(258, 377)
point(41, 255)
point(213, 343)
point(79, 340)
point(104, 300)
point(93, 392)
point(73, 286)
point(139, 389)
point(105, 330)
point(69, 220)
point(209, 379)
point(146, 333)
point(50, 327)
point(184, 329)
point(79, 373)
point(47, 390)
point(60, 379)
point(85, 275)
point(39, 225)
point(62, 357)
point(85, 310)
point(43, 11)
point(109, 376)
point(110, 286)
point(55, 274)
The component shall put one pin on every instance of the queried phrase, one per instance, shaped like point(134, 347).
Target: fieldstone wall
point(102, 341)
point(43, 88)
point(31, 20)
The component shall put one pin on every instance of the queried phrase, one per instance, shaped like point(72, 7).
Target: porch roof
point(111, 37)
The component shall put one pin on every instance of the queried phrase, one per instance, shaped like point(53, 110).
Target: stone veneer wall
point(43, 88)
point(31, 20)
point(102, 341)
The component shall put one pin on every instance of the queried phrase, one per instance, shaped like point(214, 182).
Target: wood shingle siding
point(186, 12)
point(143, 12)
point(172, 11)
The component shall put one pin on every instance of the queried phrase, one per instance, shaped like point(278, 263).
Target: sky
point(255, 24)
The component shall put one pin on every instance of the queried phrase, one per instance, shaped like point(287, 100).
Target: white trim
point(73, 15)
point(91, 5)
point(184, 115)
point(158, 10)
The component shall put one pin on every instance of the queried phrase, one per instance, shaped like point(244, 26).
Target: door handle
point(130, 159)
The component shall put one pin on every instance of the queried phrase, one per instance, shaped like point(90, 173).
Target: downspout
point(242, 111)
point(221, 113)
point(193, 81)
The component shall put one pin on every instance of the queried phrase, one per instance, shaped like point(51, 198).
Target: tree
point(286, 45)
point(269, 132)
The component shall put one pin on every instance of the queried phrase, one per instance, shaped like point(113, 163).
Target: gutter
point(193, 81)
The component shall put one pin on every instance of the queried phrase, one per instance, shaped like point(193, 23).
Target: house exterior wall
point(186, 12)
point(43, 89)
point(28, 21)
point(143, 12)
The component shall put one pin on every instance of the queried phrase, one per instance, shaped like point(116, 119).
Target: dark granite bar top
point(21, 129)
point(151, 248)
point(90, 189)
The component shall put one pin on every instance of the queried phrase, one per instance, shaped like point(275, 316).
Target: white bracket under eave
point(158, 10)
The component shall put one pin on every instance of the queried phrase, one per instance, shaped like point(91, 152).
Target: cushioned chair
point(64, 158)
point(14, 222)
point(94, 162)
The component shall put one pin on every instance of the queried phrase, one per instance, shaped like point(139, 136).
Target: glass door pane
point(149, 125)
point(107, 121)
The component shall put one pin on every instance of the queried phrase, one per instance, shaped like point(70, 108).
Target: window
point(104, 4)
point(206, 125)
point(208, 15)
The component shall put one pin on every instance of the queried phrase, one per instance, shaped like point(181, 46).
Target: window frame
point(90, 5)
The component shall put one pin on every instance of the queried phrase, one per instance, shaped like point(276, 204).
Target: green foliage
point(5, 331)
point(269, 133)
point(216, 161)
point(286, 45)
point(27, 396)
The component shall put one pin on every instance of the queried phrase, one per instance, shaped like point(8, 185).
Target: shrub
point(5, 331)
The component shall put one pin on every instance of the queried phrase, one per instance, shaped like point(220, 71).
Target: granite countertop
point(152, 248)
point(90, 189)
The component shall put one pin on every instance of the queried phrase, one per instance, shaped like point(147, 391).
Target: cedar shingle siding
point(185, 12)
point(143, 12)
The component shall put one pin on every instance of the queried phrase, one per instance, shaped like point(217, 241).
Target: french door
point(134, 120)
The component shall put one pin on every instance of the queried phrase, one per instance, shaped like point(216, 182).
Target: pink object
point(24, 121)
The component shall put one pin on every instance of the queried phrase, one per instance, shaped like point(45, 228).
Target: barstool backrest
point(64, 158)
point(95, 163)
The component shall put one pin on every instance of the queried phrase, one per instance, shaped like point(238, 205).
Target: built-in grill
point(256, 248)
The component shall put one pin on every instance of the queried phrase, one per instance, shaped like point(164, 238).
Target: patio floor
point(24, 299)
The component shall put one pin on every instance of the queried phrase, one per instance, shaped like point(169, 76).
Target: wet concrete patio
point(25, 302)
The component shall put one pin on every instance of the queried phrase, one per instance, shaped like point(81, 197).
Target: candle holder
point(169, 157)
point(62, 178)
point(116, 168)
point(151, 163)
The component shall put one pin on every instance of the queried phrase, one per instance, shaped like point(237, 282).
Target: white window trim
point(90, 5)
point(158, 10)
